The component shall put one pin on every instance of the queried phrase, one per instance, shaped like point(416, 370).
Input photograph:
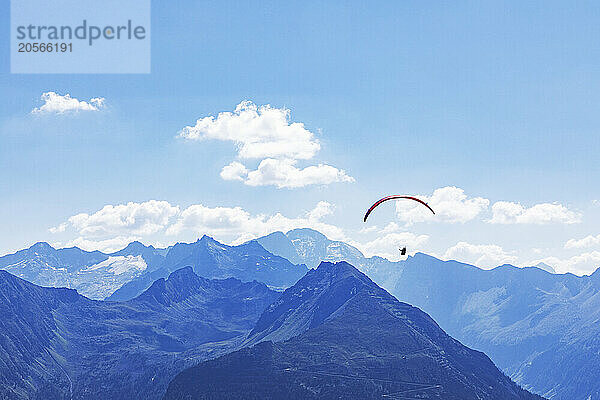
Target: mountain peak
point(136, 245)
point(276, 234)
point(306, 232)
point(178, 286)
point(422, 256)
point(313, 299)
point(208, 241)
point(133, 248)
point(182, 273)
point(545, 267)
point(279, 244)
point(42, 246)
point(341, 270)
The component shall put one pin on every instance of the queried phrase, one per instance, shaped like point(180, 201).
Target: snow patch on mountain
point(118, 265)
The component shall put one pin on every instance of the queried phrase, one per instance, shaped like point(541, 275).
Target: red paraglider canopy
point(378, 202)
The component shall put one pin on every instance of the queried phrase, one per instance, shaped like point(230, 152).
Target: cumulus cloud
point(258, 132)
point(55, 103)
point(506, 212)
point(450, 203)
point(321, 210)
point(58, 229)
point(105, 245)
point(114, 226)
point(239, 224)
point(266, 133)
point(588, 241)
point(581, 264)
point(285, 174)
point(124, 219)
point(482, 255)
point(235, 171)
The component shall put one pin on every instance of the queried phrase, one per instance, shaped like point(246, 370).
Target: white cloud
point(482, 255)
point(388, 245)
point(284, 174)
point(450, 204)
point(390, 228)
point(258, 132)
point(321, 210)
point(238, 225)
point(588, 241)
point(59, 229)
point(235, 171)
point(105, 245)
point(123, 219)
point(114, 226)
point(506, 212)
point(368, 229)
point(581, 264)
point(265, 133)
point(54, 103)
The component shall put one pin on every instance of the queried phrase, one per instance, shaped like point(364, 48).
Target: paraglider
point(378, 202)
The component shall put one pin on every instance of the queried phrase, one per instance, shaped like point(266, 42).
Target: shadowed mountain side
point(344, 337)
point(56, 344)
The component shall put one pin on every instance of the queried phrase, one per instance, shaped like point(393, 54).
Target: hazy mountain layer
point(126, 273)
point(211, 259)
point(94, 274)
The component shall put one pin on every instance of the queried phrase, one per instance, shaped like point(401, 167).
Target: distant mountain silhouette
point(336, 334)
point(124, 274)
point(94, 274)
point(211, 259)
point(521, 317)
point(311, 247)
point(56, 344)
point(544, 267)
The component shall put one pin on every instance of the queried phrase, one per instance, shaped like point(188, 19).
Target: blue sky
point(499, 101)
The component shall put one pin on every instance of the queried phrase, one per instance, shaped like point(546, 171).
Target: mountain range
point(211, 259)
point(125, 274)
point(528, 320)
point(310, 247)
point(94, 274)
point(336, 334)
point(57, 344)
